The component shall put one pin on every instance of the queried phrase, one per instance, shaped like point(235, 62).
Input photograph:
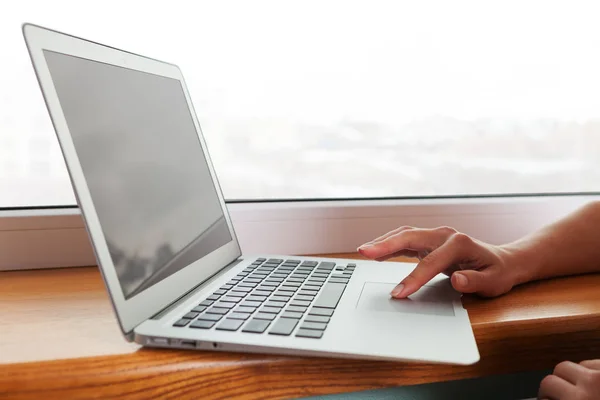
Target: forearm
point(568, 247)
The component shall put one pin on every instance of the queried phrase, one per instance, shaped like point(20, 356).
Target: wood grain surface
point(59, 340)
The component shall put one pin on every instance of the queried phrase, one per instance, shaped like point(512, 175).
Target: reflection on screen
point(146, 172)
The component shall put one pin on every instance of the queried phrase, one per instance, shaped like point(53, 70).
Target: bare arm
point(569, 246)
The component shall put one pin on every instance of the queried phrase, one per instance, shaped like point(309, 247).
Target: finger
point(413, 239)
point(570, 372)
point(485, 282)
point(591, 364)
point(390, 233)
point(555, 388)
point(455, 250)
point(401, 253)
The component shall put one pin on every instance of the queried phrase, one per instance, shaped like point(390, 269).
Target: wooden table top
point(59, 339)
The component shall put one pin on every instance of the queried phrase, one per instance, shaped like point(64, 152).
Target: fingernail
point(398, 290)
point(461, 280)
point(365, 246)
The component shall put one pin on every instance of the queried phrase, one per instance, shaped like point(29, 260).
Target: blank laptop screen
point(144, 166)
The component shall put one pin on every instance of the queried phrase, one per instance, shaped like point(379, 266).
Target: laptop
point(167, 248)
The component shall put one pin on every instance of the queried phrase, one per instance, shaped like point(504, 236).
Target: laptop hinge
point(196, 289)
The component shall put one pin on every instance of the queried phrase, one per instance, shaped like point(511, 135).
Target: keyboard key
point(296, 262)
point(291, 314)
point(318, 326)
point(199, 324)
point(236, 315)
point(242, 274)
point(283, 326)
point(266, 288)
point(347, 273)
point(304, 297)
point(206, 303)
point(274, 304)
point(338, 280)
point(220, 292)
point(241, 289)
point(190, 315)
point(300, 303)
point(267, 316)
point(217, 310)
point(286, 291)
point(235, 293)
point(252, 297)
point(316, 318)
point(261, 260)
point(270, 310)
point(330, 295)
point(296, 309)
point(252, 280)
point(210, 317)
point(327, 264)
point(310, 263)
point(226, 287)
point(339, 268)
point(199, 309)
point(261, 293)
point(291, 284)
point(230, 325)
point(251, 304)
point(339, 276)
point(234, 281)
point(182, 322)
point(274, 261)
point(245, 309)
point(307, 292)
point(319, 275)
point(279, 275)
point(316, 279)
point(282, 299)
point(312, 288)
point(231, 299)
point(308, 333)
point(256, 325)
point(351, 265)
point(297, 280)
point(274, 280)
point(259, 275)
point(225, 304)
point(314, 283)
point(325, 312)
point(246, 284)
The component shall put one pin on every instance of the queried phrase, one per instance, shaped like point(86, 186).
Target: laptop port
point(187, 343)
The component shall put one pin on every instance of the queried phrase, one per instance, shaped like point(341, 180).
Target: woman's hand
point(572, 381)
point(474, 266)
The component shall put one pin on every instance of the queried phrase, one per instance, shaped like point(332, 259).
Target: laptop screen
point(144, 166)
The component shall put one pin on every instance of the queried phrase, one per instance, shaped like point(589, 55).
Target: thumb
point(485, 282)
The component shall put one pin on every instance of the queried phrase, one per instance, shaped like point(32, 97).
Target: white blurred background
point(340, 99)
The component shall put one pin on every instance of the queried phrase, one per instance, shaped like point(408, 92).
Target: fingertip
point(459, 280)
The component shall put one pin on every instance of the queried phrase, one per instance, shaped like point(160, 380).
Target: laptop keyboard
point(275, 297)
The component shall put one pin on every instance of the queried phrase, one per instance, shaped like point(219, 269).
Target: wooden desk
point(59, 340)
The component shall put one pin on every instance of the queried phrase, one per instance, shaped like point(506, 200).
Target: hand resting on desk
point(569, 246)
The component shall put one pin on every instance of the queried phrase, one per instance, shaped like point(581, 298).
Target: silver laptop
point(167, 248)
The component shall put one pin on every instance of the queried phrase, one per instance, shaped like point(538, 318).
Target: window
point(337, 99)
point(343, 100)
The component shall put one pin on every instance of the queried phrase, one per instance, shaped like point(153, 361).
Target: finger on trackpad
point(429, 300)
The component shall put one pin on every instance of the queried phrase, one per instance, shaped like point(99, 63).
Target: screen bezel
point(133, 311)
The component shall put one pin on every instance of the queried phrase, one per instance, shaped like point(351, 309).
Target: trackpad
point(430, 299)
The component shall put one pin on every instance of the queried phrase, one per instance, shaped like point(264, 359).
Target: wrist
point(523, 262)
